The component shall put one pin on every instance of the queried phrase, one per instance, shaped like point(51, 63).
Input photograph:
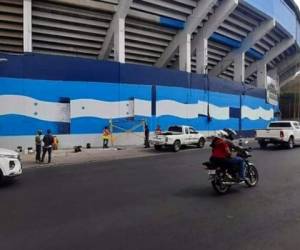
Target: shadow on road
point(169, 149)
point(203, 192)
point(208, 192)
point(274, 148)
point(8, 184)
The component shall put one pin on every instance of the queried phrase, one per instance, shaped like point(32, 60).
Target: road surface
point(158, 202)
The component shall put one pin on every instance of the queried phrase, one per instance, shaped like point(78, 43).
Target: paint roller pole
point(111, 132)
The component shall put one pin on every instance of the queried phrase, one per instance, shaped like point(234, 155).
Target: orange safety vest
point(106, 134)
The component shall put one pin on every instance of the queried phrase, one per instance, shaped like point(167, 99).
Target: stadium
point(76, 66)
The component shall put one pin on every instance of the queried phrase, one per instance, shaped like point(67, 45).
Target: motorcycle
point(222, 178)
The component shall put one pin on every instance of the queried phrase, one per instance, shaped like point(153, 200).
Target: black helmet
point(231, 133)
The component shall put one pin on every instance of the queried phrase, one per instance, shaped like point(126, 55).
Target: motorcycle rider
point(222, 148)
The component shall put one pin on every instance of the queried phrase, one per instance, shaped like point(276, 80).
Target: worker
point(157, 130)
point(105, 136)
point(55, 143)
point(147, 144)
point(48, 141)
point(38, 146)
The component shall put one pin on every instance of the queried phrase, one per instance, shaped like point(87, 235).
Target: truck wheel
point(262, 145)
point(157, 147)
point(201, 143)
point(176, 146)
point(291, 143)
point(1, 177)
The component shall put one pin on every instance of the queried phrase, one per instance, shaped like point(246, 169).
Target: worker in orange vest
point(105, 136)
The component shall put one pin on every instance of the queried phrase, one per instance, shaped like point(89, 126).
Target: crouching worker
point(55, 143)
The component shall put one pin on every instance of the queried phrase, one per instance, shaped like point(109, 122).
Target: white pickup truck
point(178, 136)
point(285, 133)
point(10, 164)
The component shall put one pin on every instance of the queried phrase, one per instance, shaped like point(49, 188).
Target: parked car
point(178, 136)
point(285, 133)
point(10, 164)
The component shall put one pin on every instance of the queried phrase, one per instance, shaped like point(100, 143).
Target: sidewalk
point(69, 157)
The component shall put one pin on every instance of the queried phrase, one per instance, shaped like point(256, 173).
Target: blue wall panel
point(255, 103)
point(38, 66)
point(51, 78)
point(14, 125)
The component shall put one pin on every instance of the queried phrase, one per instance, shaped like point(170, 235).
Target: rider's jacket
point(220, 148)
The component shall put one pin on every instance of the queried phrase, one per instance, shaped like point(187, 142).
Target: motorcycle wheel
point(219, 187)
point(252, 175)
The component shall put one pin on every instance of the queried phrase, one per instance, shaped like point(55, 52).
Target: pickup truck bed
point(285, 133)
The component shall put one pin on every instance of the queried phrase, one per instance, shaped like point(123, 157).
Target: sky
point(298, 2)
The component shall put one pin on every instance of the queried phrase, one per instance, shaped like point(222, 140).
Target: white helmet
point(221, 134)
point(231, 133)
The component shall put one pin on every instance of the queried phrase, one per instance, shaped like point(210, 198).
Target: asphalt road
point(157, 202)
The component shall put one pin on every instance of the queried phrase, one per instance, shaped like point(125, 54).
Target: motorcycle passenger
point(222, 153)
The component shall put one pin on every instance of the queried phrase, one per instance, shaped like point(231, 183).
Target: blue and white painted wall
point(76, 98)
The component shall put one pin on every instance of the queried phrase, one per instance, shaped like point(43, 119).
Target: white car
point(285, 133)
point(177, 136)
point(10, 164)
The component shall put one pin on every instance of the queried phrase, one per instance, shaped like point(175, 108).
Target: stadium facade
point(78, 66)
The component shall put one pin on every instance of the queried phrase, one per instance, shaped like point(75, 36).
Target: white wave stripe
point(30, 107)
point(190, 111)
point(219, 113)
point(109, 110)
point(259, 113)
point(142, 108)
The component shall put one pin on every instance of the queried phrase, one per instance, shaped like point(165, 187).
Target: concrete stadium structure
point(75, 66)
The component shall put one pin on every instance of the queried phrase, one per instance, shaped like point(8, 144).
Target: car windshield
point(193, 131)
point(280, 125)
point(175, 129)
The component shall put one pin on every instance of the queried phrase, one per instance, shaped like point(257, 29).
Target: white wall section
point(26, 106)
point(259, 113)
point(142, 108)
point(56, 112)
point(109, 110)
point(190, 111)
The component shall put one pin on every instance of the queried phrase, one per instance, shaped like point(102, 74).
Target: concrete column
point(239, 67)
point(27, 26)
point(185, 54)
point(202, 56)
point(274, 75)
point(262, 75)
point(119, 40)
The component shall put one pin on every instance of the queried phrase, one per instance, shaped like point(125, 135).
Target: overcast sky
point(298, 2)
